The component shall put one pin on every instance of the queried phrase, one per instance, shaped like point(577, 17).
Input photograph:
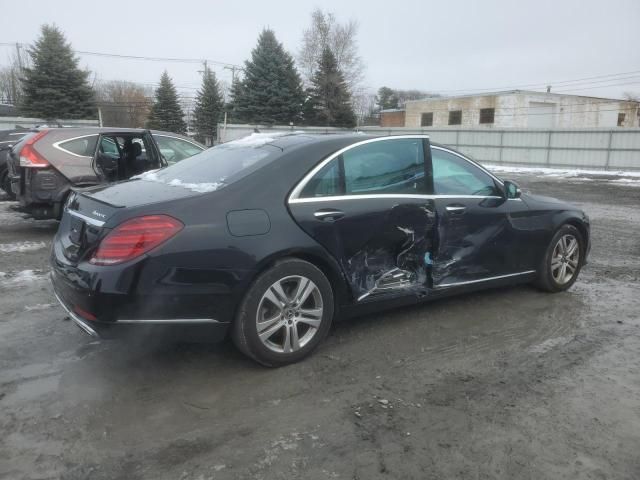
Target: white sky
point(444, 46)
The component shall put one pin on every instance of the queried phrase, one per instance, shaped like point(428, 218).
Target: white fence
point(601, 149)
point(9, 123)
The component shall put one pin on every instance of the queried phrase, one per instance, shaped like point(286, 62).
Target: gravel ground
point(510, 383)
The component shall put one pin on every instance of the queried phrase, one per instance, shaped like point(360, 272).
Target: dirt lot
point(506, 384)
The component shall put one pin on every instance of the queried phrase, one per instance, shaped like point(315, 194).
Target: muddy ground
point(510, 383)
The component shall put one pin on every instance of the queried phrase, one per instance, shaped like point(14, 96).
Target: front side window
point(83, 146)
point(453, 175)
point(382, 167)
point(175, 149)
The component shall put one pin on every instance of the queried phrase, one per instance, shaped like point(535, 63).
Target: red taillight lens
point(29, 157)
point(134, 238)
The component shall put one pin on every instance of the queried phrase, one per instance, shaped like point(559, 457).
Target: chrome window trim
point(294, 197)
point(295, 194)
point(89, 220)
point(390, 195)
point(498, 277)
point(59, 146)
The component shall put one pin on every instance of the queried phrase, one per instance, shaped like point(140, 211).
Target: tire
point(279, 316)
point(5, 184)
point(551, 277)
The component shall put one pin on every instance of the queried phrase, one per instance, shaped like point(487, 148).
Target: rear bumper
point(179, 329)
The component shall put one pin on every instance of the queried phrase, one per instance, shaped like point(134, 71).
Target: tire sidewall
point(245, 331)
point(546, 270)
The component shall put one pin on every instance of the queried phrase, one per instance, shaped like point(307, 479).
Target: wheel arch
point(327, 265)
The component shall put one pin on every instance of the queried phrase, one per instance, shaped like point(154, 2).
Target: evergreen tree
point(233, 106)
point(55, 87)
point(166, 113)
point(329, 100)
point(208, 106)
point(271, 91)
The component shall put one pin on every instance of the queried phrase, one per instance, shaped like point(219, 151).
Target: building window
point(426, 120)
point(487, 114)
point(621, 117)
point(455, 117)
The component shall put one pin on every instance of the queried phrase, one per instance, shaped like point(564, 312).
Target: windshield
point(217, 167)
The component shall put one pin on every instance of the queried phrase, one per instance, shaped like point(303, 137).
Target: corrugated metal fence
point(602, 149)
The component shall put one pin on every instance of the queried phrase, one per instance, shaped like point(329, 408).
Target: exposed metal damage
point(398, 258)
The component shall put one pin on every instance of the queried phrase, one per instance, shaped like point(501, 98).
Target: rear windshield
point(217, 167)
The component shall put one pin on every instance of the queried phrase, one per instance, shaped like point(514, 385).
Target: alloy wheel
point(289, 314)
point(565, 259)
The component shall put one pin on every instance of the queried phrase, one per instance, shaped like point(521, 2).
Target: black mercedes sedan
point(272, 237)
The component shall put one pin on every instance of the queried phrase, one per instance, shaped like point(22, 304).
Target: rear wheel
point(562, 260)
point(285, 314)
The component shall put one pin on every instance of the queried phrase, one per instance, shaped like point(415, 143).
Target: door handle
point(328, 214)
point(456, 209)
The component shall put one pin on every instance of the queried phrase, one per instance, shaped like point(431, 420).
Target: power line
point(139, 57)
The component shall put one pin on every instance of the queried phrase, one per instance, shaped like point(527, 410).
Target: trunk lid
point(88, 211)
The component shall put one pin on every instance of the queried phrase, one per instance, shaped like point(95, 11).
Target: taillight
point(135, 237)
point(29, 157)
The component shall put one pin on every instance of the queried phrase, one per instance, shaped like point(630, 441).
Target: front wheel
point(562, 260)
point(285, 314)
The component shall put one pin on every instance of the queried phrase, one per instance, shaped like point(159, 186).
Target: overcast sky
point(444, 46)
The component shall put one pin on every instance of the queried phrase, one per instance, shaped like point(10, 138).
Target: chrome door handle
point(328, 214)
point(456, 209)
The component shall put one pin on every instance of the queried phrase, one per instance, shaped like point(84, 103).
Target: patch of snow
point(148, 173)
point(39, 306)
point(197, 187)
point(550, 344)
point(23, 277)
point(255, 140)
point(152, 176)
point(561, 172)
point(21, 247)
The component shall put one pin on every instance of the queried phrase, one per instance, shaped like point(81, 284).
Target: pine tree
point(55, 87)
point(329, 99)
point(208, 106)
point(166, 113)
point(271, 91)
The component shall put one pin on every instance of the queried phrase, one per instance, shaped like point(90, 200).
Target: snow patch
point(23, 277)
point(256, 139)
point(21, 247)
point(39, 306)
point(152, 176)
point(550, 344)
point(561, 172)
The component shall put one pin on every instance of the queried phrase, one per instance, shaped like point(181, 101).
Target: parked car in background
point(270, 237)
point(48, 163)
point(8, 138)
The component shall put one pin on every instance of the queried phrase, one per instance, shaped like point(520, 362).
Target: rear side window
point(82, 146)
point(394, 166)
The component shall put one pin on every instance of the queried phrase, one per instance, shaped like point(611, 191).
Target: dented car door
point(367, 205)
point(479, 231)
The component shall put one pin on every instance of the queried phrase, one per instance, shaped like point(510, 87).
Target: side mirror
point(511, 190)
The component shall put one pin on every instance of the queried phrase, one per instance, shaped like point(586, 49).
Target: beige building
point(518, 109)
